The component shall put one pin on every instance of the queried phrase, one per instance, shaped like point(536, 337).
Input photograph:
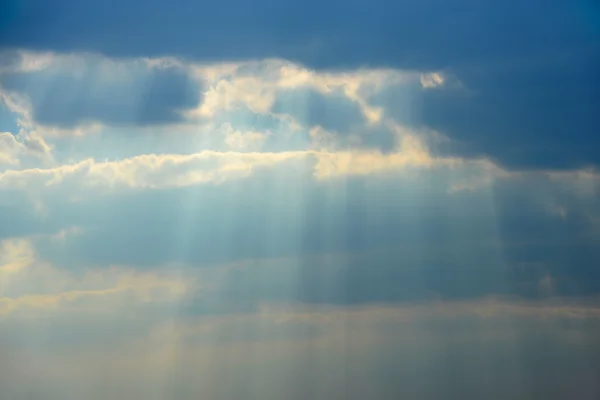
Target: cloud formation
point(300, 200)
point(425, 226)
point(34, 288)
point(522, 86)
point(498, 348)
point(72, 91)
point(306, 155)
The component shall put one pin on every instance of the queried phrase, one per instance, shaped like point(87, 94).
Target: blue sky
point(299, 200)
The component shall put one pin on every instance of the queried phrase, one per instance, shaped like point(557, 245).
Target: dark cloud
point(539, 115)
point(94, 90)
point(428, 34)
point(530, 70)
point(529, 113)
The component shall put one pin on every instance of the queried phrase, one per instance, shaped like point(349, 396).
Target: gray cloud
point(92, 89)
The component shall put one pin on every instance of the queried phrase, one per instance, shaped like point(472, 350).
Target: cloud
point(321, 182)
point(209, 166)
point(31, 287)
point(22, 149)
point(357, 34)
point(529, 95)
point(411, 153)
point(283, 100)
point(314, 352)
point(286, 98)
point(425, 226)
point(147, 171)
point(432, 80)
point(303, 201)
point(8, 149)
point(237, 140)
point(75, 90)
point(15, 256)
point(133, 329)
point(539, 115)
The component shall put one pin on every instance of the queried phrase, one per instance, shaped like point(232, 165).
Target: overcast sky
point(299, 199)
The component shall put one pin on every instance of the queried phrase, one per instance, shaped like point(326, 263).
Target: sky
point(299, 199)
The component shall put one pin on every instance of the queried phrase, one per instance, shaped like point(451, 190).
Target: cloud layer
point(527, 75)
point(299, 200)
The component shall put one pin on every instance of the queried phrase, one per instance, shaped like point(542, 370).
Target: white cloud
point(256, 85)
point(238, 140)
point(432, 80)
point(9, 149)
point(148, 171)
point(176, 170)
point(410, 154)
point(15, 149)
